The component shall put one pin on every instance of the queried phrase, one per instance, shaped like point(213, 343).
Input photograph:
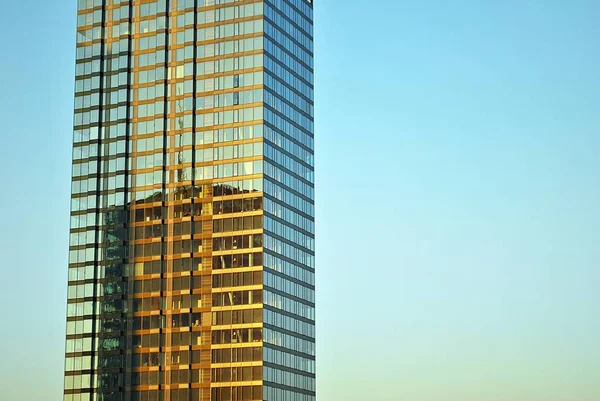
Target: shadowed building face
point(191, 267)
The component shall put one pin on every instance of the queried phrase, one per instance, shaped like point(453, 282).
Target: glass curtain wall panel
point(191, 257)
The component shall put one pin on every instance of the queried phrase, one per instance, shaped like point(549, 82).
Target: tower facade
point(191, 263)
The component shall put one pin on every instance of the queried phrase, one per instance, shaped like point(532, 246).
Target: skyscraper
point(191, 265)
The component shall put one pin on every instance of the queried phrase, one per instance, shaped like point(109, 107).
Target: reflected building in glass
point(191, 265)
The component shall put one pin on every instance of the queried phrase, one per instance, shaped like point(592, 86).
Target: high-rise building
point(191, 265)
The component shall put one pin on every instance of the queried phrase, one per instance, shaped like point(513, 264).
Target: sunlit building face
point(191, 264)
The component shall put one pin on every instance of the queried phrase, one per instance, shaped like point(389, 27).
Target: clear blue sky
point(458, 199)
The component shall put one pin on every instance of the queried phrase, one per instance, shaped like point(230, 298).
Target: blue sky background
point(458, 189)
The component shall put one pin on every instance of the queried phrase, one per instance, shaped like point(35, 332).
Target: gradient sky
point(458, 199)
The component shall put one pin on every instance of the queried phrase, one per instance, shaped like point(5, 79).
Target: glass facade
point(191, 264)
